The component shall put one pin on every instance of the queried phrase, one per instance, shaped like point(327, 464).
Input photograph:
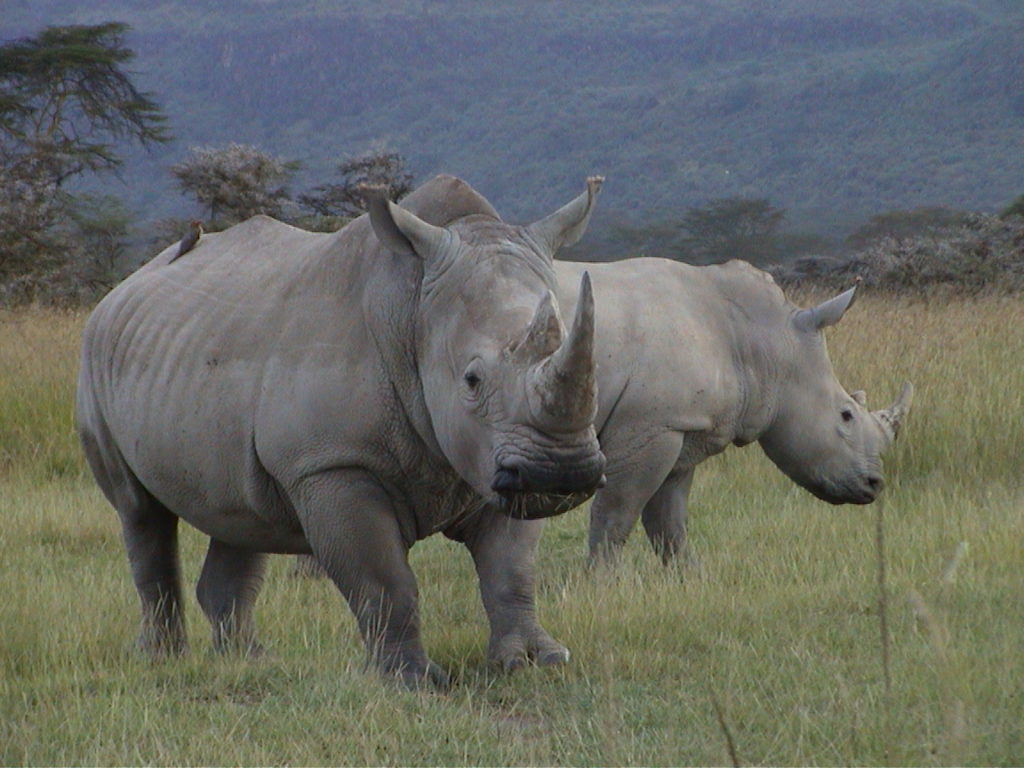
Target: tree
point(235, 182)
point(1016, 208)
point(65, 103)
point(732, 228)
point(101, 225)
point(901, 225)
point(344, 199)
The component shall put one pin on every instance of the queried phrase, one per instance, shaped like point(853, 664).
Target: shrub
point(985, 253)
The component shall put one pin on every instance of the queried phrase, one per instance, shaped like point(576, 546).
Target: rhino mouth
point(862, 491)
point(530, 489)
point(536, 506)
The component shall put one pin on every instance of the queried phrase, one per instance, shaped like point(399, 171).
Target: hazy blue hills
point(833, 110)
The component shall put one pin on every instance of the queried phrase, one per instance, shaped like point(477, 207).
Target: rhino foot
point(515, 652)
point(420, 677)
point(248, 649)
point(158, 645)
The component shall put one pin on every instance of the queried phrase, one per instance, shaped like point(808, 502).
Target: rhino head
point(823, 437)
point(511, 391)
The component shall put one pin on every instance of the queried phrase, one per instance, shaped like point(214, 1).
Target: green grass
point(781, 627)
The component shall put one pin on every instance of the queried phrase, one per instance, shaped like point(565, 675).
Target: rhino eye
point(847, 414)
point(472, 380)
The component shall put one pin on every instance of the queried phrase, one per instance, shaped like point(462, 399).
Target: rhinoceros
point(692, 359)
point(347, 394)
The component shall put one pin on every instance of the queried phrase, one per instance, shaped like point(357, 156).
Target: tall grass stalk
point(730, 742)
point(883, 622)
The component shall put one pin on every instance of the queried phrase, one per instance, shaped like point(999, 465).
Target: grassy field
point(775, 646)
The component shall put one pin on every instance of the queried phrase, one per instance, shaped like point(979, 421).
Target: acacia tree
point(344, 199)
point(235, 182)
point(732, 228)
point(65, 104)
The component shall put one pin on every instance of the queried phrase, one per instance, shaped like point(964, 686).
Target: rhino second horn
point(891, 419)
point(544, 336)
point(566, 381)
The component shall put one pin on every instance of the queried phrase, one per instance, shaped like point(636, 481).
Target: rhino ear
point(567, 225)
point(860, 397)
point(402, 232)
point(827, 313)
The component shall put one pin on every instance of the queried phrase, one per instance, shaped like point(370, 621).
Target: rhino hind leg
point(634, 477)
point(150, 533)
point(227, 589)
point(504, 552)
point(665, 517)
point(350, 523)
point(149, 530)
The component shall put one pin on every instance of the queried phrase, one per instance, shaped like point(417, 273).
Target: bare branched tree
point(235, 182)
point(344, 199)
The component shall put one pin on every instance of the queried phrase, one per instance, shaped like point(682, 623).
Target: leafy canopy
point(732, 228)
point(66, 108)
point(65, 101)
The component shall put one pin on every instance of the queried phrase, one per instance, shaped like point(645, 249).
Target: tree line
point(67, 107)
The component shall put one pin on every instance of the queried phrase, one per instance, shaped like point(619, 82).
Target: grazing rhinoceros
point(691, 359)
point(347, 394)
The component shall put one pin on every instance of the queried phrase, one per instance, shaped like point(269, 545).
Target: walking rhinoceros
point(347, 394)
point(691, 359)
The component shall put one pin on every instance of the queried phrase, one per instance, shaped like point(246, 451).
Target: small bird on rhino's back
point(188, 242)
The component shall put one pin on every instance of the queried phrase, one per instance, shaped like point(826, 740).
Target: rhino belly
point(207, 473)
point(186, 432)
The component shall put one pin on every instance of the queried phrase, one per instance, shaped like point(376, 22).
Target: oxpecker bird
point(188, 242)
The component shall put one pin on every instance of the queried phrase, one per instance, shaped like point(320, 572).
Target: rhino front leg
point(351, 525)
point(307, 567)
point(504, 551)
point(633, 476)
point(227, 589)
point(665, 517)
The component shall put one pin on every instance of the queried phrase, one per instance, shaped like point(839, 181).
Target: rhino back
point(671, 343)
point(204, 371)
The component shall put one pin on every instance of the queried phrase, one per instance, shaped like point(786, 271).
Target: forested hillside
point(834, 111)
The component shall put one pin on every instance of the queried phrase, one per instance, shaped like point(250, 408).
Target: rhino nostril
point(875, 483)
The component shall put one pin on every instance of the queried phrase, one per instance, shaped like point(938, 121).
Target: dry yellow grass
point(781, 629)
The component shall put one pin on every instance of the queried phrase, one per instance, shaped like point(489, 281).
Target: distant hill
point(832, 110)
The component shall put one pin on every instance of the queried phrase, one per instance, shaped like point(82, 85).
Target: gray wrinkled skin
point(692, 359)
point(346, 395)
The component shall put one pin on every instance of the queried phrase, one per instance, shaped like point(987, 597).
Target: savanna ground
point(776, 643)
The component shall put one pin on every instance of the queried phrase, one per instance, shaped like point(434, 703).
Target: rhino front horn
point(892, 417)
point(566, 382)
